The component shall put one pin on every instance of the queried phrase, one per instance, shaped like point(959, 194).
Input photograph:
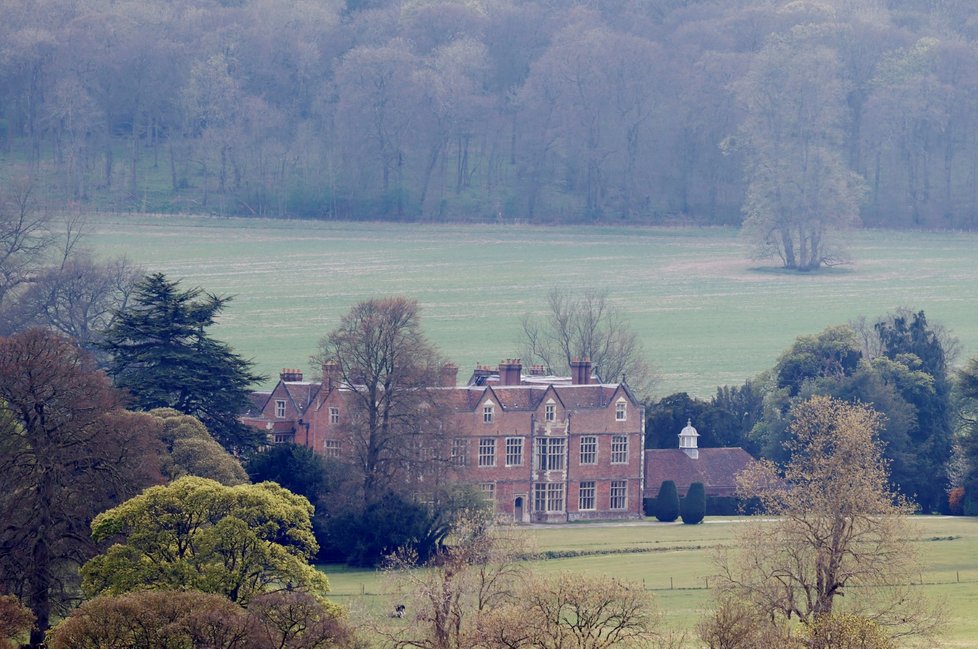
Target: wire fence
point(667, 583)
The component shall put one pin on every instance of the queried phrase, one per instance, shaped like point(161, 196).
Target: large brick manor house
point(544, 448)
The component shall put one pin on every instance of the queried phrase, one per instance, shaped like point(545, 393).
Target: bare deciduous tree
point(575, 611)
point(67, 451)
point(449, 597)
point(586, 326)
point(25, 235)
point(80, 298)
point(839, 527)
point(380, 355)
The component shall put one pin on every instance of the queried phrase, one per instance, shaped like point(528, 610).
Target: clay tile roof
point(302, 393)
point(519, 397)
point(716, 468)
point(258, 401)
point(580, 397)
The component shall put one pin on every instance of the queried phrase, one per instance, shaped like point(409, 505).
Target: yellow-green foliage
point(846, 631)
point(196, 533)
point(191, 450)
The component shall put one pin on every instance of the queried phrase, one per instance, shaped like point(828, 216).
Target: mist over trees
point(511, 109)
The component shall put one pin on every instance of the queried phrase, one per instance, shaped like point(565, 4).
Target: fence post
point(670, 583)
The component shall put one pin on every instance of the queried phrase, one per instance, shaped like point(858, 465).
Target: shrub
point(648, 506)
point(667, 502)
point(955, 501)
point(846, 631)
point(15, 621)
point(694, 504)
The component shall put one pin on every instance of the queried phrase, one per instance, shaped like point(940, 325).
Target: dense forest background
point(530, 110)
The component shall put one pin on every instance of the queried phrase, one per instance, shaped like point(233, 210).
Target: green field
point(706, 313)
point(675, 560)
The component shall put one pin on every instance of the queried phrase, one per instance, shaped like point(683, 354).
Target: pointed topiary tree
point(694, 504)
point(667, 502)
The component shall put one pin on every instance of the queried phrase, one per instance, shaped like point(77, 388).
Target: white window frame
point(488, 412)
point(621, 410)
point(551, 453)
point(487, 452)
point(548, 497)
point(619, 449)
point(334, 415)
point(331, 448)
point(488, 490)
point(550, 411)
point(589, 449)
point(280, 408)
point(514, 451)
point(460, 451)
point(586, 496)
point(618, 498)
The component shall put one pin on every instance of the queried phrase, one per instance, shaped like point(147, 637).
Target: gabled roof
point(528, 397)
point(301, 393)
point(716, 468)
point(258, 401)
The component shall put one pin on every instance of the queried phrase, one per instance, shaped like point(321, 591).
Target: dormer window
point(280, 408)
point(620, 410)
point(550, 412)
point(487, 412)
point(334, 415)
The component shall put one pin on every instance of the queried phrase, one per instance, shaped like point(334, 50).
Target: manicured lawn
point(707, 315)
point(675, 560)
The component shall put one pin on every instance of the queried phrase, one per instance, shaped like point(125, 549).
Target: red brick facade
point(545, 448)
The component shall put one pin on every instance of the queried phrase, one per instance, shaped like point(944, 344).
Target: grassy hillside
point(706, 313)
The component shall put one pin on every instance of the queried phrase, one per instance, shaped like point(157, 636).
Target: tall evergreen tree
point(921, 378)
point(161, 352)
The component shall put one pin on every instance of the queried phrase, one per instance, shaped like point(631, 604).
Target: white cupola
point(687, 440)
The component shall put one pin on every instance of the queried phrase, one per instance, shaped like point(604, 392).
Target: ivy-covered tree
point(163, 355)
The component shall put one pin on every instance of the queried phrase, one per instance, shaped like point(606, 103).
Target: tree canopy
point(195, 533)
point(67, 451)
point(507, 110)
point(379, 353)
point(586, 326)
point(838, 526)
point(162, 353)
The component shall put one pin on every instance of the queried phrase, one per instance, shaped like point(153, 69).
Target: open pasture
point(674, 561)
point(707, 314)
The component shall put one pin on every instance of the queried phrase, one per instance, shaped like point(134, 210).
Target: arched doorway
point(518, 509)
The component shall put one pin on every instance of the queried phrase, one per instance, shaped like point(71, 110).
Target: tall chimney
point(580, 371)
point(331, 375)
point(449, 375)
point(510, 371)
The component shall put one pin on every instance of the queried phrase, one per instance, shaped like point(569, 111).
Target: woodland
point(658, 111)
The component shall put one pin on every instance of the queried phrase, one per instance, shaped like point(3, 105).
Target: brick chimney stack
point(449, 375)
point(510, 371)
point(331, 375)
point(290, 375)
point(580, 371)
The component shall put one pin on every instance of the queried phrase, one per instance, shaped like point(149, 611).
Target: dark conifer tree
point(162, 354)
point(694, 504)
point(667, 502)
